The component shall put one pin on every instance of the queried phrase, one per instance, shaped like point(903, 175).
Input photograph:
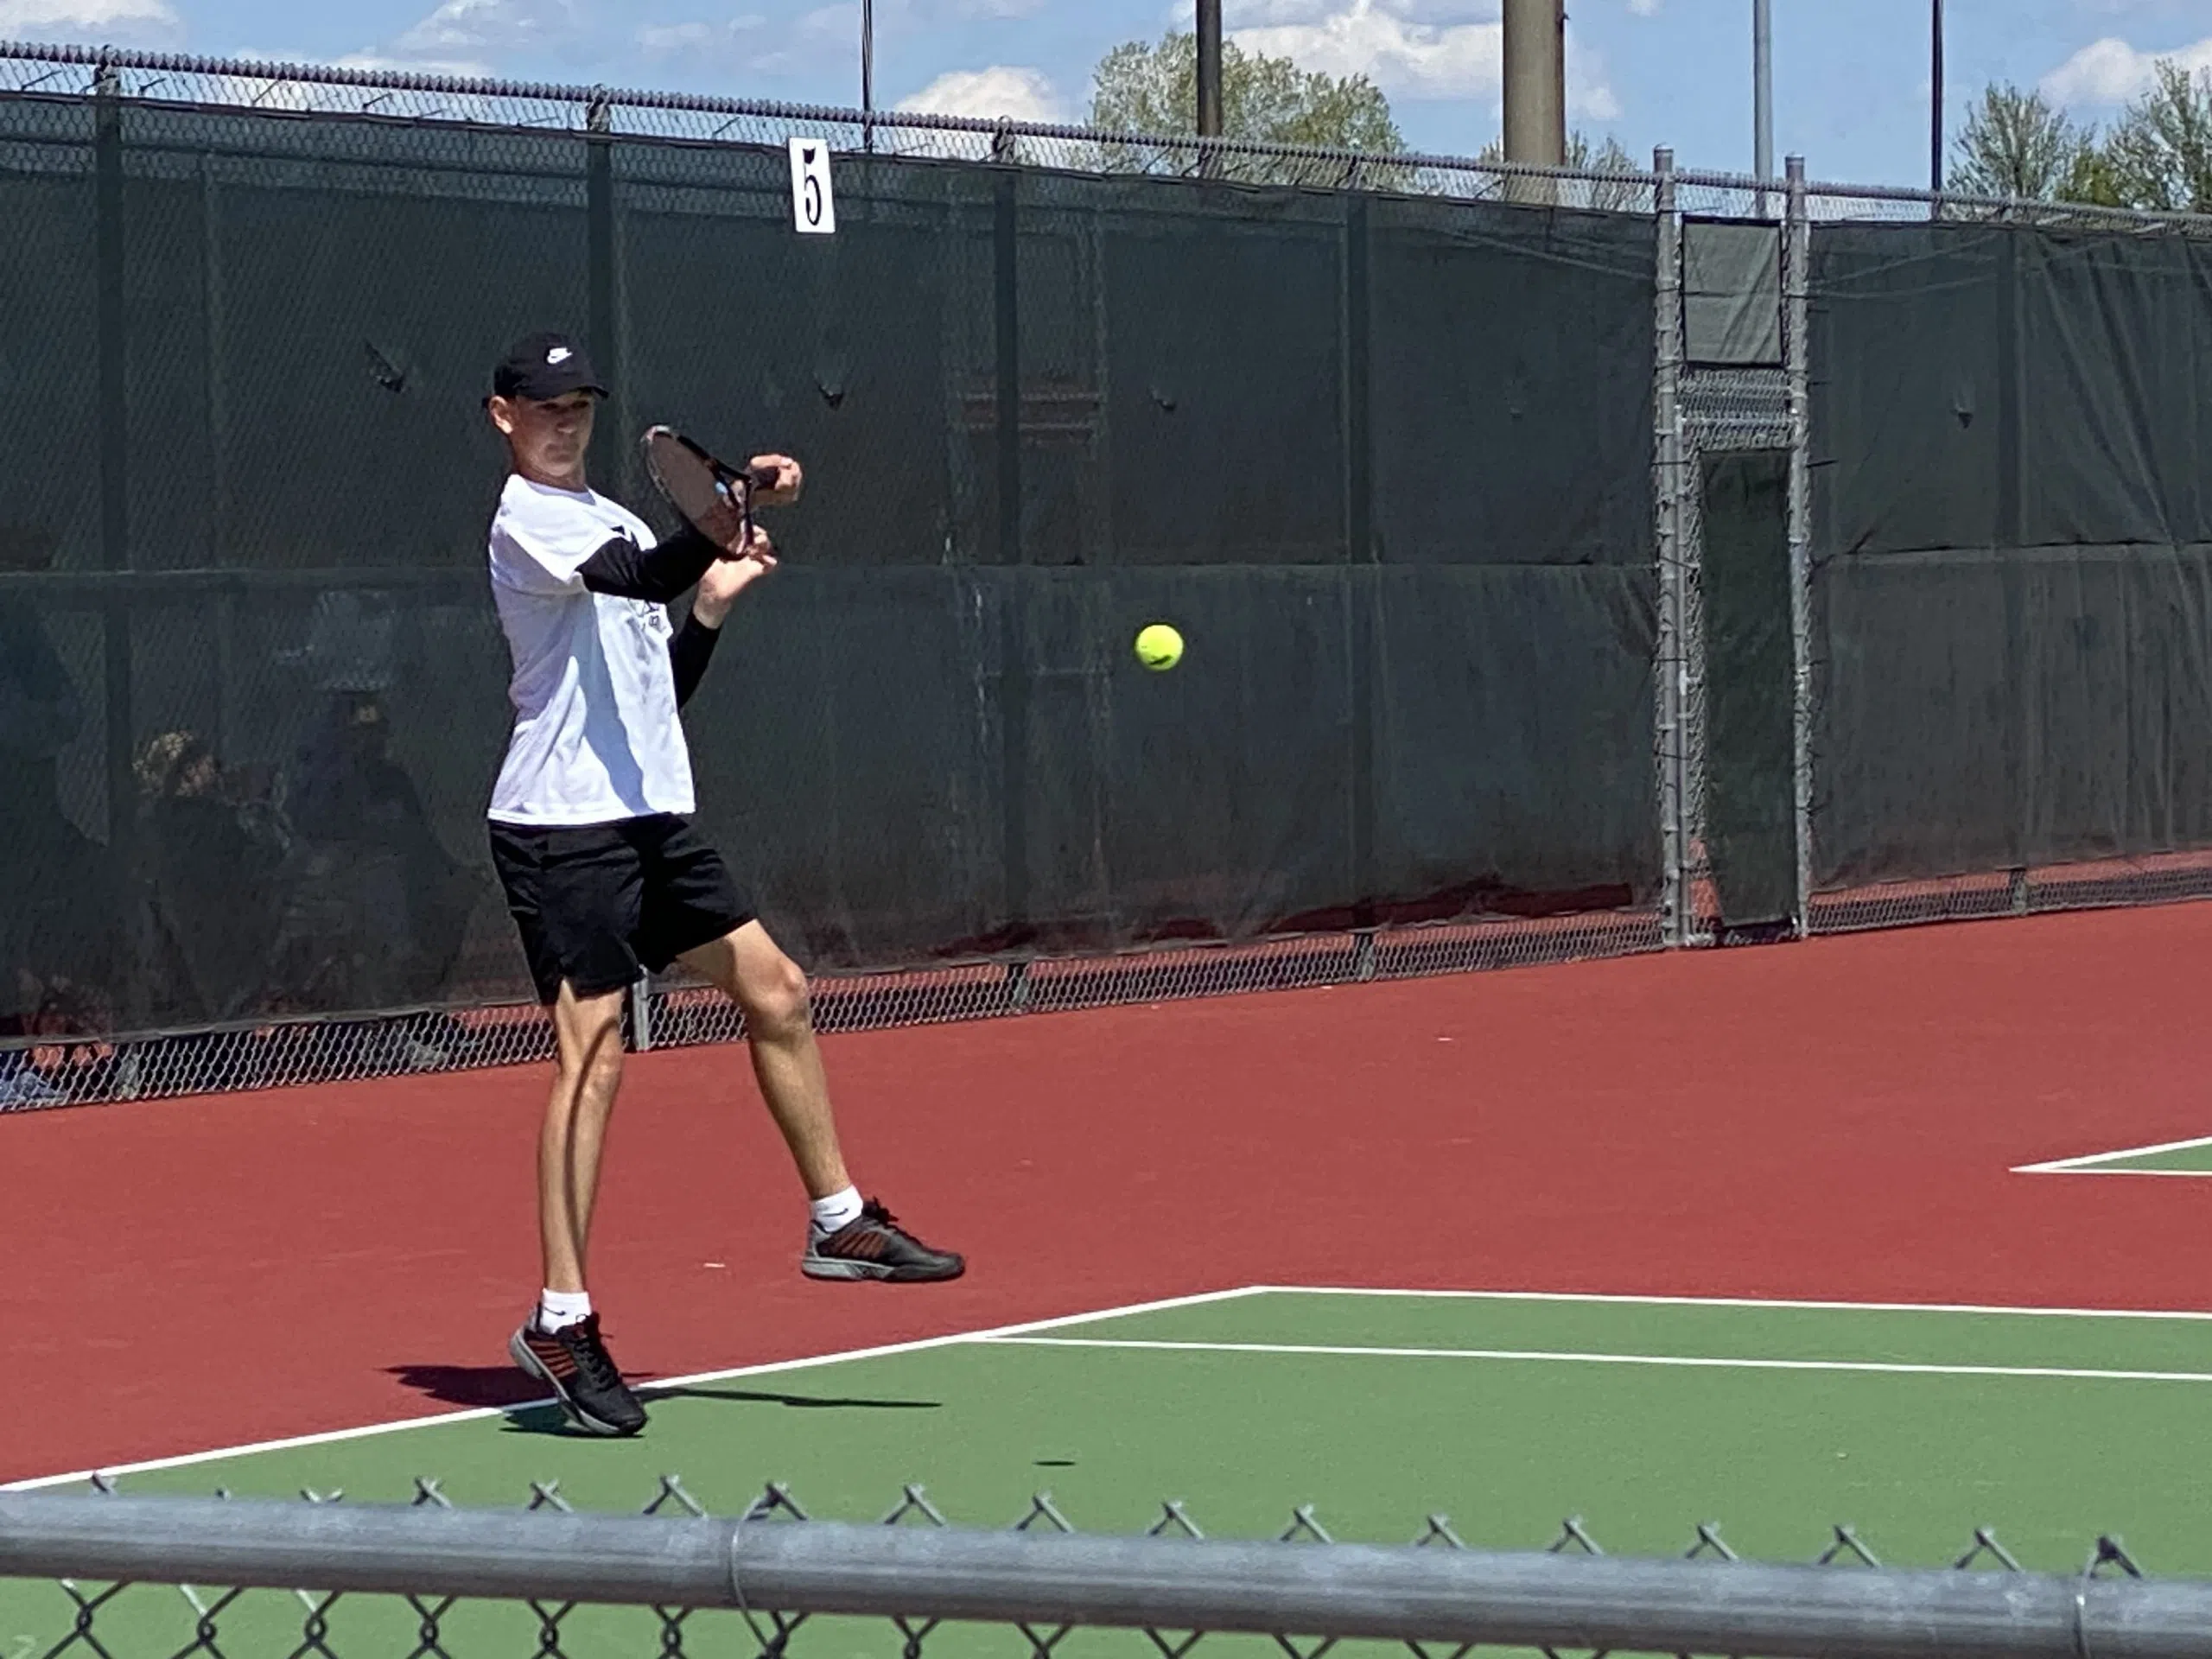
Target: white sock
point(559, 1309)
point(838, 1209)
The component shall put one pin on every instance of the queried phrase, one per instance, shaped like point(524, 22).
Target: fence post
point(1013, 591)
point(603, 327)
point(1676, 927)
point(1362, 594)
point(1796, 250)
point(120, 715)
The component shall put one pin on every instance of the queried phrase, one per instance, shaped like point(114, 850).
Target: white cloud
point(305, 95)
point(416, 65)
point(1419, 60)
point(1413, 49)
point(1022, 94)
point(673, 40)
point(107, 22)
point(1644, 8)
point(998, 9)
point(500, 25)
point(667, 38)
point(837, 22)
point(1589, 89)
point(1242, 15)
point(2110, 71)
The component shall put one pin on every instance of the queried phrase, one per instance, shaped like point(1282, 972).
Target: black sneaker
point(574, 1364)
point(874, 1246)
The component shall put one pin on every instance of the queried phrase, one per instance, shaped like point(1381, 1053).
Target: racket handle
point(762, 478)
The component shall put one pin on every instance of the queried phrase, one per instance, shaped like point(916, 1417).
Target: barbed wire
point(56, 70)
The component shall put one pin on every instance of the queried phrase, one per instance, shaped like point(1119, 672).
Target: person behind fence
point(604, 873)
point(212, 862)
point(351, 801)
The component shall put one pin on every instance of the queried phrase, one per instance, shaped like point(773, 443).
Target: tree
point(2016, 145)
point(2159, 153)
point(1155, 89)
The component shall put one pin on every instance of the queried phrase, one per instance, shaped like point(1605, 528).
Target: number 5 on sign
point(813, 212)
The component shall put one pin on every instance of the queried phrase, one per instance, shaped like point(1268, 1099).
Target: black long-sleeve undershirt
point(689, 654)
point(621, 570)
point(624, 570)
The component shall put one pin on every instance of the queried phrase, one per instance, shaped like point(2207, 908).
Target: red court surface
point(1832, 1120)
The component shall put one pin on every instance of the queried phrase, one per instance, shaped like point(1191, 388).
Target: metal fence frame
point(1045, 1579)
point(383, 1042)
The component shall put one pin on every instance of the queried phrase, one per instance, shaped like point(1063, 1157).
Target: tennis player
point(604, 874)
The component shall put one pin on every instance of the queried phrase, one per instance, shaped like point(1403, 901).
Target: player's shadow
point(548, 1420)
point(802, 1402)
point(471, 1385)
point(503, 1387)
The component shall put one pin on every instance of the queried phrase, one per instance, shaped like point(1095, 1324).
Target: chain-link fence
point(2004, 559)
point(776, 1580)
point(1508, 643)
point(64, 1069)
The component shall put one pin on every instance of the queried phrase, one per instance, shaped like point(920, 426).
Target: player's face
point(549, 439)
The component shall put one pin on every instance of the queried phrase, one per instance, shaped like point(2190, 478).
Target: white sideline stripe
point(1784, 1304)
point(661, 1385)
point(1698, 1361)
point(2089, 1162)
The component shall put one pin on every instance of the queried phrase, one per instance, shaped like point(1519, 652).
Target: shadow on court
point(803, 1402)
point(503, 1386)
point(471, 1385)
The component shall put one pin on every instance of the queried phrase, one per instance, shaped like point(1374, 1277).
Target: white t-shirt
point(597, 738)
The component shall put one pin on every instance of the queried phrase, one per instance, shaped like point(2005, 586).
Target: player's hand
point(789, 480)
point(730, 575)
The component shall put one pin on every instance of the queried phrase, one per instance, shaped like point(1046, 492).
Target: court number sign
point(814, 212)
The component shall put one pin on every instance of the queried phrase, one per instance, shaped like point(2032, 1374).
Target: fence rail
point(1045, 1579)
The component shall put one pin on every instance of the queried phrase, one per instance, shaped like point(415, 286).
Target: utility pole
point(1536, 91)
point(1209, 80)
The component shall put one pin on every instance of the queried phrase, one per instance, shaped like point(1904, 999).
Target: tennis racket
point(714, 498)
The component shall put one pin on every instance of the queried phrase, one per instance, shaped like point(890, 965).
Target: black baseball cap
point(542, 367)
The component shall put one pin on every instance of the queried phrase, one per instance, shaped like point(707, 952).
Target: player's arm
point(622, 570)
point(719, 584)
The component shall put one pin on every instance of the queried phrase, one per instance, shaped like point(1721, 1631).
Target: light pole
point(1763, 94)
point(1936, 97)
point(868, 74)
point(1209, 69)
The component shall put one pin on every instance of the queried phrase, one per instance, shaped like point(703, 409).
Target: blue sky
point(1851, 76)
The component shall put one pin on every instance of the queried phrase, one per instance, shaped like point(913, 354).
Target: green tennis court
point(1507, 1414)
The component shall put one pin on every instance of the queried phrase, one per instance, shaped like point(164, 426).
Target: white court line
point(1780, 1303)
point(1695, 1362)
point(2088, 1165)
point(662, 1385)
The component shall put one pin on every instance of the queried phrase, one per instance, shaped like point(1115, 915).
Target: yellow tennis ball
point(1160, 647)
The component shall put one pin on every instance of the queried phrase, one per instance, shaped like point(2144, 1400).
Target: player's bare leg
point(865, 1241)
point(560, 1344)
point(747, 968)
point(587, 1071)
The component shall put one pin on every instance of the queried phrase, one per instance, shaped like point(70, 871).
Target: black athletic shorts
point(598, 903)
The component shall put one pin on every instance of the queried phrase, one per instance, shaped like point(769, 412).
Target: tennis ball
point(1160, 647)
